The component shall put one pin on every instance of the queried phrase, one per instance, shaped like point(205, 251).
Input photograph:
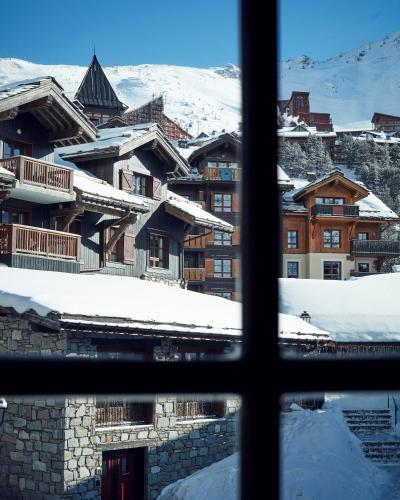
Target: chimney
point(311, 176)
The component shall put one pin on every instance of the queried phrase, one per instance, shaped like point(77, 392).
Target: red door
point(122, 477)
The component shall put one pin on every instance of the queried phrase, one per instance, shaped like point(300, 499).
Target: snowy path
point(392, 491)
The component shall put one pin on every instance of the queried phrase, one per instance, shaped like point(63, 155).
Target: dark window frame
point(332, 274)
point(363, 233)
point(290, 275)
point(329, 238)
point(224, 206)
point(292, 239)
point(223, 273)
point(153, 259)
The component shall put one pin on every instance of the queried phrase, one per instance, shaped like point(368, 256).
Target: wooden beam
point(10, 114)
point(65, 134)
point(44, 102)
point(71, 216)
point(124, 223)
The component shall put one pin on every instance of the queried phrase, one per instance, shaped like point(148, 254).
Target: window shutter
point(235, 202)
point(209, 266)
point(212, 201)
point(235, 268)
point(209, 237)
point(236, 235)
point(106, 237)
point(156, 188)
point(201, 195)
point(235, 297)
point(126, 180)
point(128, 249)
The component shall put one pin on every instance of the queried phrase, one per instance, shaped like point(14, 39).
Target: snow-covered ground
point(218, 481)
point(197, 99)
point(322, 460)
point(351, 86)
point(359, 309)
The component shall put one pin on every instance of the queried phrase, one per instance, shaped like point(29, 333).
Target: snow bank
point(218, 481)
point(322, 459)
point(141, 304)
point(292, 327)
point(362, 309)
point(357, 400)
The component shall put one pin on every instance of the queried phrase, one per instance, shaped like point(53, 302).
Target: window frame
point(223, 273)
point(292, 245)
point(165, 250)
point(329, 239)
point(297, 268)
point(224, 207)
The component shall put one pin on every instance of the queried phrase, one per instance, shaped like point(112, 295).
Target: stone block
point(39, 466)
point(155, 469)
point(143, 435)
point(50, 447)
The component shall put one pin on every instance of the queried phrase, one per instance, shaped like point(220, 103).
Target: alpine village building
point(212, 257)
point(333, 228)
point(91, 253)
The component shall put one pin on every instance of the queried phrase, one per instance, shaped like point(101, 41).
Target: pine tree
point(318, 157)
point(292, 159)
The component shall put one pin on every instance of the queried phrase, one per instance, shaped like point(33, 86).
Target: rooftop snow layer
point(102, 299)
point(201, 217)
point(357, 310)
point(292, 327)
point(283, 178)
point(4, 171)
point(16, 88)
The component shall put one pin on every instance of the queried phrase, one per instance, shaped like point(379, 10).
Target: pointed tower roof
point(96, 90)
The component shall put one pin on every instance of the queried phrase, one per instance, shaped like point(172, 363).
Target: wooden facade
point(326, 236)
point(386, 123)
point(299, 105)
point(212, 259)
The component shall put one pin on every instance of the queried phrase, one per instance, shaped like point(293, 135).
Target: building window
point(222, 268)
point(159, 250)
point(222, 238)
point(222, 202)
point(363, 267)
point(14, 148)
point(225, 295)
point(331, 238)
point(332, 270)
point(194, 408)
point(329, 201)
point(140, 184)
point(292, 239)
point(362, 236)
point(15, 216)
point(113, 254)
point(292, 269)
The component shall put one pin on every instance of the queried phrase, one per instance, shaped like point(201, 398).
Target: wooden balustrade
point(122, 412)
point(375, 247)
point(195, 241)
point(335, 210)
point(222, 174)
point(195, 274)
point(195, 408)
point(39, 173)
point(18, 239)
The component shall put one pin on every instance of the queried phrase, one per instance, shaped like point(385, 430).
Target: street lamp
point(305, 316)
point(3, 406)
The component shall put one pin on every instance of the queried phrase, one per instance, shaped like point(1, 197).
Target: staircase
point(373, 427)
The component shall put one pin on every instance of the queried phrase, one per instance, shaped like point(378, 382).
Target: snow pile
point(140, 303)
point(218, 481)
point(362, 309)
point(351, 86)
point(292, 327)
point(197, 99)
point(4, 171)
point(200, 217)
point(322, 459)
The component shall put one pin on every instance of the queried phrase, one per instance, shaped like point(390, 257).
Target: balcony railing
point(123, 412)
point(381, 248)
point(18, 239)
point(196, 409)
point(195, 241)
point(335, 210)
point(39, 173)
point(222, 174)
point(195, 274)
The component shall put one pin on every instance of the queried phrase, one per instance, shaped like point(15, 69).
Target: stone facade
point(51, 448)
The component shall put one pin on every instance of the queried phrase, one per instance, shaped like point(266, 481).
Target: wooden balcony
point(195, 241)
point(222, 174)
point(194, 274)
point(28, 240)
point(188, 409)
point(39, 173)
point(383, 248)
point(335, 210)
point(122, 412)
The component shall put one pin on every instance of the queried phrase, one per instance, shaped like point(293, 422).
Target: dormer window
point(140, 184)
point(329, 201)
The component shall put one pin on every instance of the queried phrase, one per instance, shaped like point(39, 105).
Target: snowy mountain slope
point(351, 86)
point(198, 99)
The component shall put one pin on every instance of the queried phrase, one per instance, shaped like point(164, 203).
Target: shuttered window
point(139, 184)
point(124, 250)
point(159, 251)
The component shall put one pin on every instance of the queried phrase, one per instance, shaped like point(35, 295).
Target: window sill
point(117, 265)
point(200, 420)
point(128, 427)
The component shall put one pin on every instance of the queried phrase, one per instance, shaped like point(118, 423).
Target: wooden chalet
point(386, 123)
point(299, 105)
point(96, 95)
point(212, 257)
point(300, 133)
point(153, 112)
point(333, 228)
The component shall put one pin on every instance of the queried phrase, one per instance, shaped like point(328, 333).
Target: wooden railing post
point(21, 163)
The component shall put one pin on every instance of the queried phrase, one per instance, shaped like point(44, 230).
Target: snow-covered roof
point(357, 310)
point(283, 178)
point(303, 130)
point(7, 173)
point(371, 207)
point(15, 88)
point(124, 302)
point(294, 328)
point(193, 212)
point(91, 185)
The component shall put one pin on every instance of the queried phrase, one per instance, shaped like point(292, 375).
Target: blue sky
point(322, 29)
point(180, 32)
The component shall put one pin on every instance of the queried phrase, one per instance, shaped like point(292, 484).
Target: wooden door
point(126, 475)
point(123, 473)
